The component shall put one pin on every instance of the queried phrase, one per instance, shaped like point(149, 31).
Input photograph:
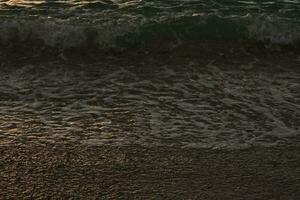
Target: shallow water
point(184, 105)
point(185, 73)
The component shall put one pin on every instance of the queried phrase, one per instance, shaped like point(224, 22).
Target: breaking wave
point(63, 34)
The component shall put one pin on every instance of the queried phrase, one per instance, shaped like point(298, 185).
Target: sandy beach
point(133, 172)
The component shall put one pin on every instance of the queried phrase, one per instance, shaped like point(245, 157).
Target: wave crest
point(63, 35)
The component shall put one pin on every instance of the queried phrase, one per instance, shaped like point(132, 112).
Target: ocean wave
point(62, 34)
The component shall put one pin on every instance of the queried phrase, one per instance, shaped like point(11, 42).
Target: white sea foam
point(167, 107)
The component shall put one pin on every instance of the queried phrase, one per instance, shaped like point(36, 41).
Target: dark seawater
point(119, 23)
point(184, 73)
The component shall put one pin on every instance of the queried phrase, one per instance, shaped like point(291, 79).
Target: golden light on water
point(76, 3)
point(23, 2)
point(30, 3)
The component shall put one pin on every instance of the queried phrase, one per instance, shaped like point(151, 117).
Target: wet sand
point(133, 172)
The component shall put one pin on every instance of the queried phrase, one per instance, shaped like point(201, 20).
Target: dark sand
point(149, 173)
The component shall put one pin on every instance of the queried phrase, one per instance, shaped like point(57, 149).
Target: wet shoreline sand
point(134, 172)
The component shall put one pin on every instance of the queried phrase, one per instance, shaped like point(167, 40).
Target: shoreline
point(134, 172)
